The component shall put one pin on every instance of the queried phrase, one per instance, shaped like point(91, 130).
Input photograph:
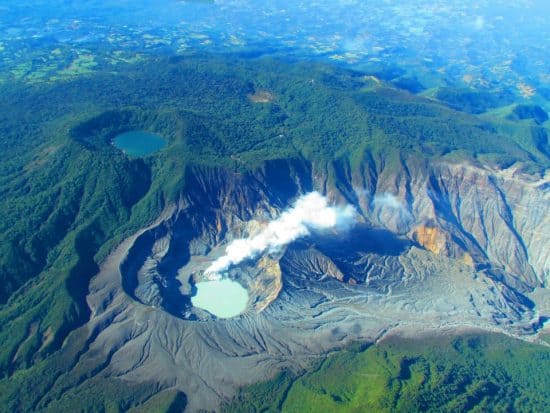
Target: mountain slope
point(464, 231)
point(468, 373)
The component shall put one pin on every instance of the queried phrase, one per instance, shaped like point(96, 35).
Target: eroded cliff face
point(495, 219)
point(437, 246)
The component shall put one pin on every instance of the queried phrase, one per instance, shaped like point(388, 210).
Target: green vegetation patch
point(68, 196)
point(463, 373)
point(474, 101)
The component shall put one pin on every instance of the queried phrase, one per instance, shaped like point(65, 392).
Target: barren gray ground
point(464, 250)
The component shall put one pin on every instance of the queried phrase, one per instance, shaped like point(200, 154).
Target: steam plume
point(311, 211)
point(387, 200)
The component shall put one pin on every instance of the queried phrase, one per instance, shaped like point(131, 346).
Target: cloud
point(479, 23)
point(387, 200)
point(311, 211)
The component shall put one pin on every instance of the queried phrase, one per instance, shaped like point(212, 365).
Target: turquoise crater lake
point(139, 143)
point(224, 298)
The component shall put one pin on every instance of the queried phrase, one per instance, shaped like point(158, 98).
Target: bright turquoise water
point(223, 298)
point(139, 143)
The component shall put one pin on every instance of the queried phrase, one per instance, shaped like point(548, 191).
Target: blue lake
point(139, 143)
point(224, 298)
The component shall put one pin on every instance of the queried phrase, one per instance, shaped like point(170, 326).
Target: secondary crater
point(138, 143)
point(136, 132)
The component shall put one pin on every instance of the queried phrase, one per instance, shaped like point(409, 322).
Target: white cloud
point(479, 23)
point(387, 200)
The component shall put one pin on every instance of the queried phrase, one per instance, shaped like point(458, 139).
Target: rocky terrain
point(437, 246)
point(451, 231)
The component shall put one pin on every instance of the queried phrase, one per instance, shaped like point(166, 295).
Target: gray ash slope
point(465, 249)
point(446, 240)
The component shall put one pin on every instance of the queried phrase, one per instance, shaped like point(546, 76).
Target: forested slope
point(69, 197)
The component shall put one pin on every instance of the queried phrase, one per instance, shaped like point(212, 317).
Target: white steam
point(390, 201)
point(311, 211)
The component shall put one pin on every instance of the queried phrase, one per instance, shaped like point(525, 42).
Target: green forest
point(473, 372)
point(68, 197)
